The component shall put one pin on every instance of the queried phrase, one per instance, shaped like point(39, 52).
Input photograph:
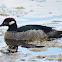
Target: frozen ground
point(43, 12)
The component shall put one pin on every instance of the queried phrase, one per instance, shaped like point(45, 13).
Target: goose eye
point(5, 22)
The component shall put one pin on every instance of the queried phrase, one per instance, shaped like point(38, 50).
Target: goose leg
point(12, 49)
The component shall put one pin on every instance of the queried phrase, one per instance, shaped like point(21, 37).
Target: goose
point(27, 32)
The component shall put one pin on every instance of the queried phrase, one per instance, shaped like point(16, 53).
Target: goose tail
point(59, 34)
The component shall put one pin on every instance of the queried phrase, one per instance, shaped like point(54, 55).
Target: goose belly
point(27, 35)
point(10, 35)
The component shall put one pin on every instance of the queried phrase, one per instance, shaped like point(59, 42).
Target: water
point(42, 12)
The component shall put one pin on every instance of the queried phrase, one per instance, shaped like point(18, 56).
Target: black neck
point(12, 27)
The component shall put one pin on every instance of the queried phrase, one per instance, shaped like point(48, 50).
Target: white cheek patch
point(12, 22)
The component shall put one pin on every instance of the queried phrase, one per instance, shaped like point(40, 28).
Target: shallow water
point(42, 12)
point(51, 52)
